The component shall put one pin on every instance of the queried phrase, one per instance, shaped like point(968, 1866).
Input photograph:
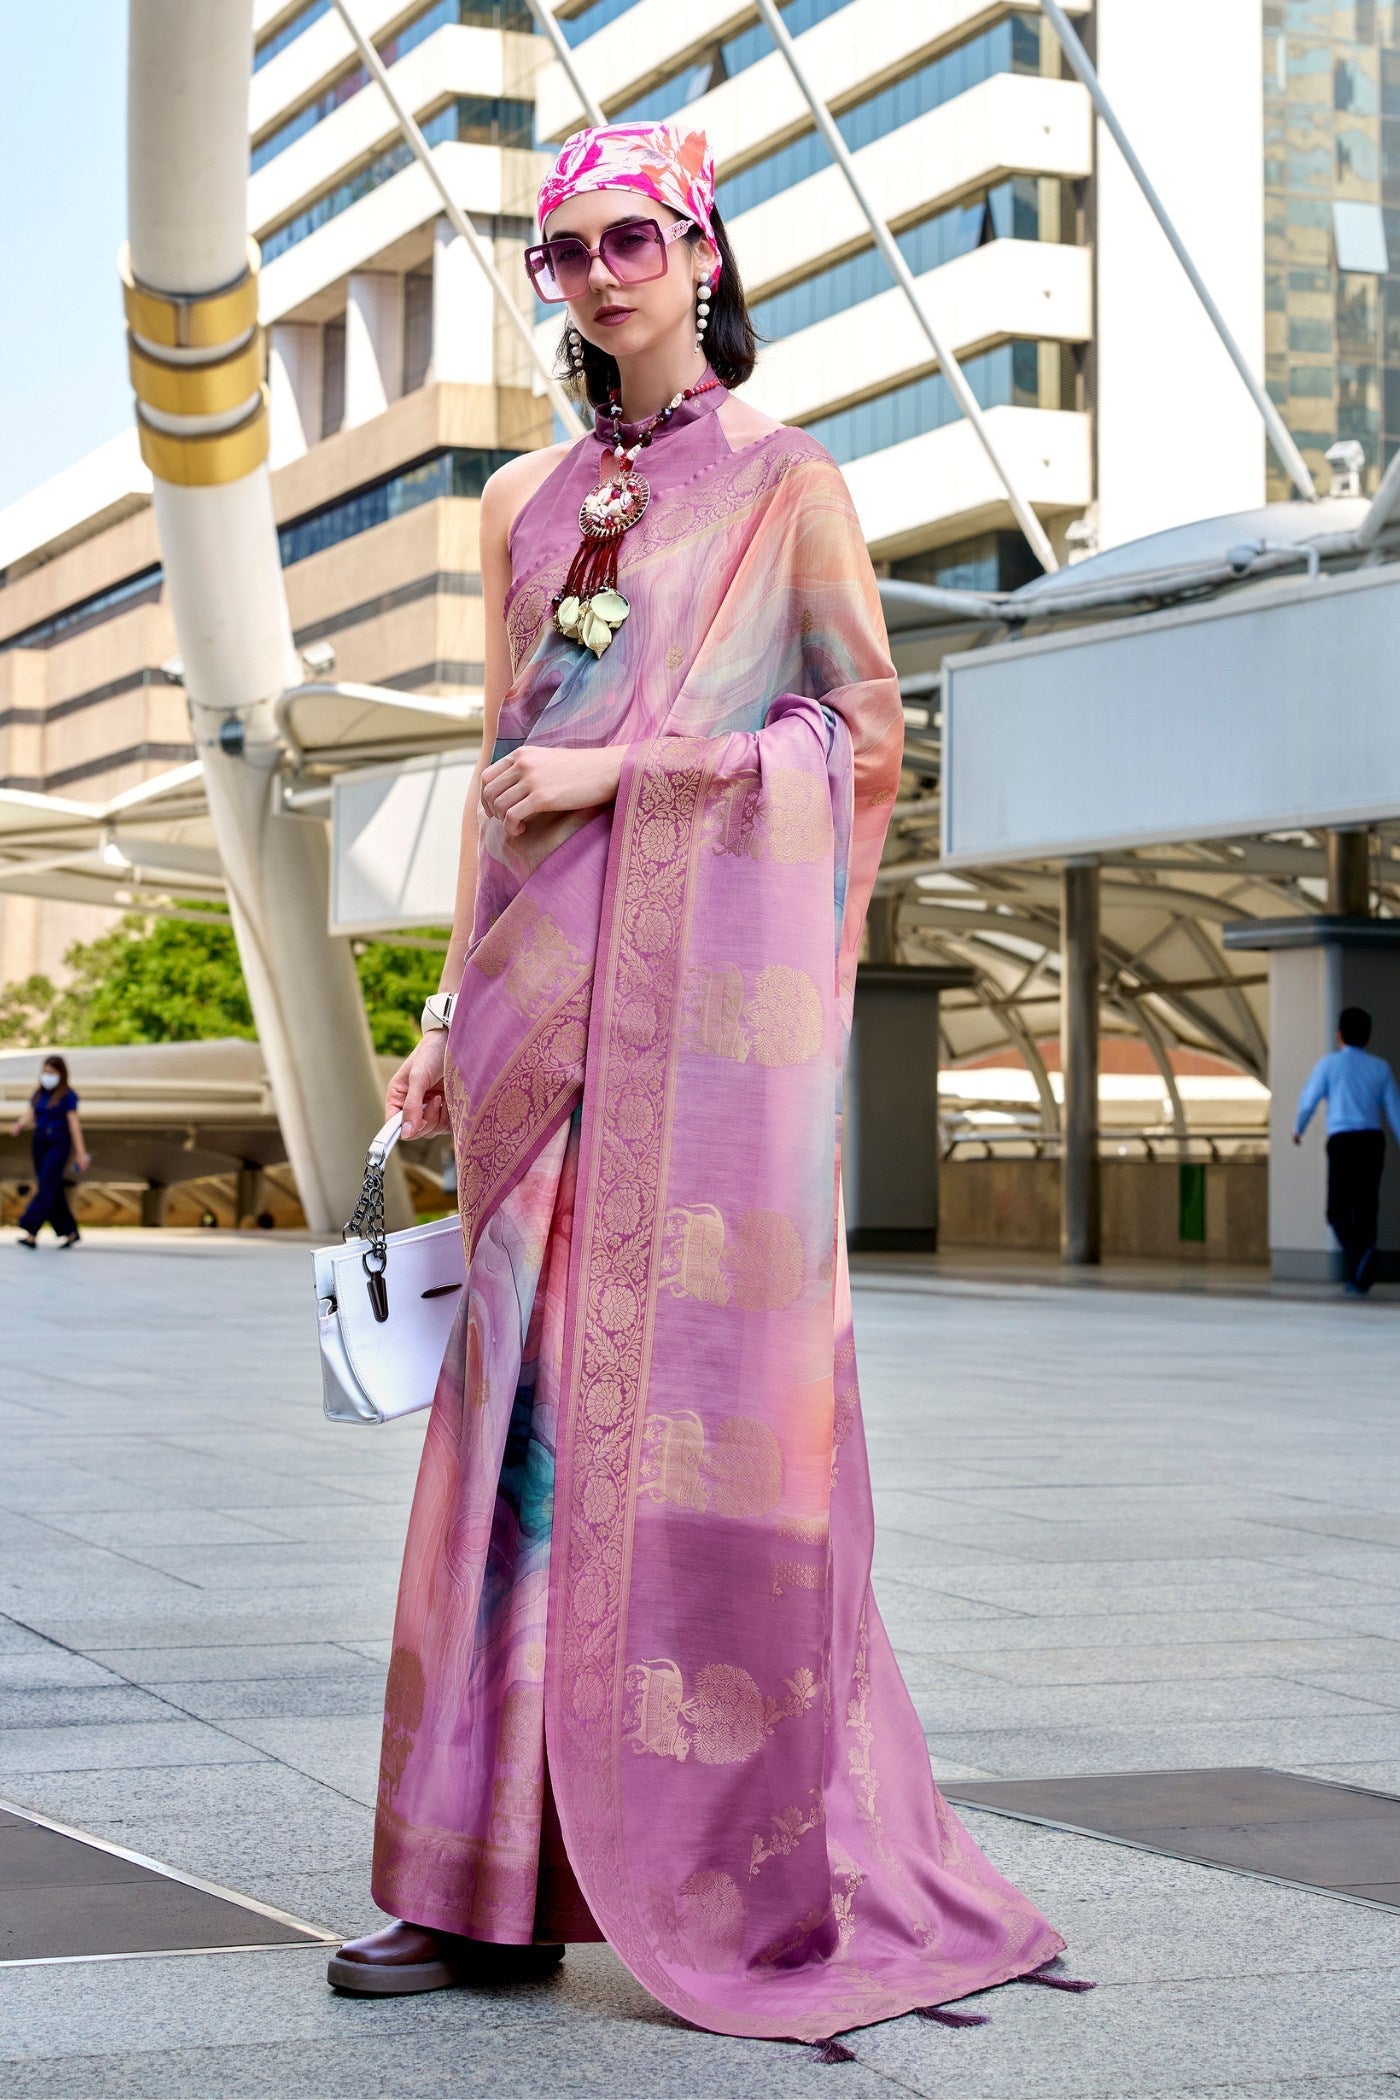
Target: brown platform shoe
point(403, 1958)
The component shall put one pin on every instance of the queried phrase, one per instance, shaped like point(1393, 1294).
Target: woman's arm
point(23, 1121)
point(80, 1151)
point(416, 1087)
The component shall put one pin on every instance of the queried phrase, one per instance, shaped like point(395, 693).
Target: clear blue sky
point(63, 383)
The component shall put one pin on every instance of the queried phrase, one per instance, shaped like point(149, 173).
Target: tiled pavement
point(1119, 1531)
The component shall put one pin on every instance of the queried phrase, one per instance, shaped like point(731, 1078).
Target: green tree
point(155, 980)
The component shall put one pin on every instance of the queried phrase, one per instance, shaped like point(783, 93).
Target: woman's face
point(624, 319)
point(48, 1078)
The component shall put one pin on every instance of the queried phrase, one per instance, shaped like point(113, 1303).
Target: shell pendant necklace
point(590, 608)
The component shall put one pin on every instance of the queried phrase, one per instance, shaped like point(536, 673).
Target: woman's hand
point(416, 1088)
point(83, 1160)
point(540, 780)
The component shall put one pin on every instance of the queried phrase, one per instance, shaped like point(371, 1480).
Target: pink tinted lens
point(634, 252)
point(558, 269)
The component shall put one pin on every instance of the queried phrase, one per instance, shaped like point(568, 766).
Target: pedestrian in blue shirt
point(1358, 1089)
point(52, 1114)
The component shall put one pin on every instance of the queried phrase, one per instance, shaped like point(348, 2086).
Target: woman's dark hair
point(59, 1065)
point(730, 342)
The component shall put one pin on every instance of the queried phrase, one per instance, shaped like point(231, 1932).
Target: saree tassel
point(952, 2019)
point(1055, 1983)
point(833, 2052)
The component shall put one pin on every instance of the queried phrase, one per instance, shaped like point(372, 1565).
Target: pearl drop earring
point(573, 345)
point(702, 315)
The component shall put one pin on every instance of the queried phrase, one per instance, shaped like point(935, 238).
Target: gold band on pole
point(191, 320)
point(199, 390)
point(212, 458)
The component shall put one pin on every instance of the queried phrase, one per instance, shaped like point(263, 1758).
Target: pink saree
point(640, 1687)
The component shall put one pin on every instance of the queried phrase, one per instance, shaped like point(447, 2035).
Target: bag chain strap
point(366, 1222)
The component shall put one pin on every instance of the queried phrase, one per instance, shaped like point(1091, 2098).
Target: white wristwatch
point(437, 1011)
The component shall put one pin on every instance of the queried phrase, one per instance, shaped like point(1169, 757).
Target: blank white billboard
point(1275, 709)
point(395, 836)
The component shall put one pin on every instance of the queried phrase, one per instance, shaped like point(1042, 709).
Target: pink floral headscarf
point(669, 167)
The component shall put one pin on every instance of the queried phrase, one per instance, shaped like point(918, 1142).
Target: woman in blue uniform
point(52, 1115)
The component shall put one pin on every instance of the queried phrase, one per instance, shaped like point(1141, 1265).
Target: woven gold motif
point(739, 1474)
point(723, 1721)
point(785, 1829)
point(758, 1265)
point(529, 1094)
point(534, 956)
point(701, 1925)
point(782, 1024)
point(781, 815)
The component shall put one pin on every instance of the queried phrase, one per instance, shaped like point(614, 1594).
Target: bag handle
point(366, 1221)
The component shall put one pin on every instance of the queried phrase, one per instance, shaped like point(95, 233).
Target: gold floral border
point(526, 1098)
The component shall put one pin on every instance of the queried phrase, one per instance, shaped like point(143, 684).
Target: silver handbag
point(385, 1304)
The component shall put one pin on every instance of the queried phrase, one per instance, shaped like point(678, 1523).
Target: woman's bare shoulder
point(512, 485)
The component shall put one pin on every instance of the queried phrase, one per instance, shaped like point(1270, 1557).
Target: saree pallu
point(640, 1685)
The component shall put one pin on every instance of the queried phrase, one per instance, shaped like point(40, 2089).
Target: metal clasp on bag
point(366, 1221)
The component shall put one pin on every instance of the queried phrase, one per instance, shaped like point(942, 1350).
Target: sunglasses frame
point(665, 235)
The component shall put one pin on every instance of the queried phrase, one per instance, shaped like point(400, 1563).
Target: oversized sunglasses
point(631, 253)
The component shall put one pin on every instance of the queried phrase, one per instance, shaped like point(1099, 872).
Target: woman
point(639, 1687)
point(52, 1115)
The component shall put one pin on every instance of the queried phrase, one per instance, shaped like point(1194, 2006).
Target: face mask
point(48, 1079)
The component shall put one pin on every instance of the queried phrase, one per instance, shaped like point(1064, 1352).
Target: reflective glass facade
point(482, 120)
point(1013, 375)
point(594, 16)
point(457, 472)
point(1024, 208)
point(993, 561)
point(722, 61)
point(1332, 137)
point(1011, 46)
point(289, 31)
point(486, 14)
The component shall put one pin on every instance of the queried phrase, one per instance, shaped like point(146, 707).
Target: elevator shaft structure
point(197, 364)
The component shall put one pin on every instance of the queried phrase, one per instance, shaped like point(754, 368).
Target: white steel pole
point(898, 268)
point(460, 221)
point(548, 22)
point(192, 311)
point(1291, 458)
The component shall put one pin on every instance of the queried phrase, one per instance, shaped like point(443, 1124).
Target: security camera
point(1347, 459)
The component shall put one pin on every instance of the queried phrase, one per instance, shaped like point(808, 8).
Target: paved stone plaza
point(1120, 1530)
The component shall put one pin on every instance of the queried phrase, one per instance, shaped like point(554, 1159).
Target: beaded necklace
point(590, 608)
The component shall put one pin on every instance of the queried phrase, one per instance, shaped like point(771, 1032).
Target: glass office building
point(1332, 226)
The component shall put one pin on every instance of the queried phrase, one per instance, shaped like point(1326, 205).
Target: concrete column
point(1316, 967)
point(890, 1129)
point(373, 344)
point(294, 389)
point(463, 314)
point(248, 1197)
point(1080, 1205)
point(1349, 874)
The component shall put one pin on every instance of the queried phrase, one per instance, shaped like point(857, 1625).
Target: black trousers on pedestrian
point(49, 1203)
point(1354, 1162)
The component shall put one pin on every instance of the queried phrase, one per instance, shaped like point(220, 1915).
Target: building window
point(417, 327)
point(994, 561)
point(1026, 208)
point(594, 15)
point(1013, 375)
point(332, 377)
point(459, 471)
point(481, 120)
point(721, 61)
point(278, 39)
point(493, 14)
point(143, 588)
point(1011, 46)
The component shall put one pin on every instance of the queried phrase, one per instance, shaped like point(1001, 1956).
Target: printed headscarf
point(660, 161)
